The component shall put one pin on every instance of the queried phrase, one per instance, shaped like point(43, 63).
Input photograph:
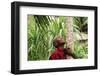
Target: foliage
point(80, 27)
point(80, 24)
point(81, 50)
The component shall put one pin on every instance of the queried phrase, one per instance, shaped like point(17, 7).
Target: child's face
point(59, 42)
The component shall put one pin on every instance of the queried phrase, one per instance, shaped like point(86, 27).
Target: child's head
point(58, 42)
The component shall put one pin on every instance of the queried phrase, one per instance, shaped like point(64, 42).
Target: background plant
point(80, 37)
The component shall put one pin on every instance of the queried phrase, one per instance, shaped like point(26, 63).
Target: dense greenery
point(43, 29)
point(81, 42)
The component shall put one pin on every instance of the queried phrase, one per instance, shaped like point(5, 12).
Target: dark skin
point(68, 52)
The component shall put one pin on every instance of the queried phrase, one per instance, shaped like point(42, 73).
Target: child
point(60, 52)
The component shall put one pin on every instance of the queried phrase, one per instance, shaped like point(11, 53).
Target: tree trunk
point(69, 38)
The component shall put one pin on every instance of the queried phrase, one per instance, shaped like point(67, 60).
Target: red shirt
point(58, 54)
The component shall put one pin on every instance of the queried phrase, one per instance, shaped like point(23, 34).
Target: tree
point(69, 38)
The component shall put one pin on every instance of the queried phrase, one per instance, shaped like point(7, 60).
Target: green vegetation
point(43, 29)
point(80, 37)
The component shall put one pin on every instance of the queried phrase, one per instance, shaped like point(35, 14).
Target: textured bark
point(69, 38)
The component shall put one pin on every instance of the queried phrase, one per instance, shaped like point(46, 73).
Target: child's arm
point(68, 52)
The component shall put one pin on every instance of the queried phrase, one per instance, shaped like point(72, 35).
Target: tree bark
point(69, 38)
